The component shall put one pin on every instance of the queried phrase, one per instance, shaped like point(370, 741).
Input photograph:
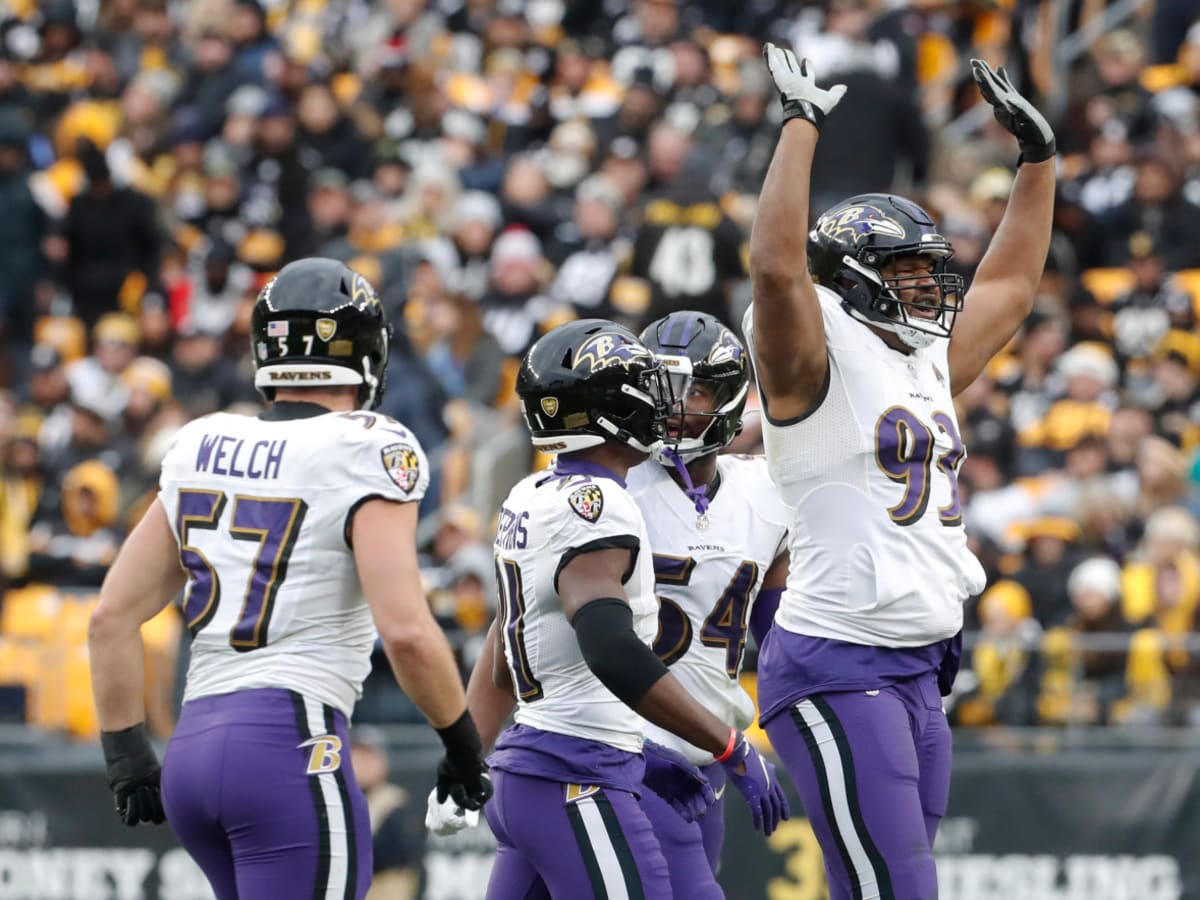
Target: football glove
point(462, 773)
point(133, 775)
point(1018, 116)
point(798, 87)
point(681, 784)
point(447, 818)
point(755, 777)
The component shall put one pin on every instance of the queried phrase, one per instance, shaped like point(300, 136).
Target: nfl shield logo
point(588, 502)
point(325, 328)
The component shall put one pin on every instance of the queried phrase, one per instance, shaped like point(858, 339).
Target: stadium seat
point(1108, 283)
point(30, 612)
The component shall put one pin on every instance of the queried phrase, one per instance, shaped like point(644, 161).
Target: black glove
point(1018, 116)
point(133, 775)
point(462, 773)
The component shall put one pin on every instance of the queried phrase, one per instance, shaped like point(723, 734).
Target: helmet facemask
point(723, 418)
point(889, 309)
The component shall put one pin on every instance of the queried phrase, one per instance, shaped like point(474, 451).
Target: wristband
point(802, 109)
point(728, 751)
point(461, 738)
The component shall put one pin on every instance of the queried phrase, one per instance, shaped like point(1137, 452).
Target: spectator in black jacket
point(111, 232)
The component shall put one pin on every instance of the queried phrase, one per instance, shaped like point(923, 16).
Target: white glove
point(447, 818)
point(798, 87)
point(1018, 116)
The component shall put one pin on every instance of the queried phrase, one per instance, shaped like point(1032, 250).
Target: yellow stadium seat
point(49, 709)
point(1108, 283)
point(74, 614)
point(30, 612)
point(79, 708)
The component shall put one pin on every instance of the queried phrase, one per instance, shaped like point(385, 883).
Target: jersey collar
point(292, 409)
point(569, 466)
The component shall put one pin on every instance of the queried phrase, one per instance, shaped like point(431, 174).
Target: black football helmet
point(853, 240)
point(589, 381)
point(696, 347)
point(318, 322)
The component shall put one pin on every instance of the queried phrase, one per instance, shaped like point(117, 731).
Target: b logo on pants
point(326, 754)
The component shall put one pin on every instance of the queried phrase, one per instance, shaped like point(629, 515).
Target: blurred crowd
point(497, 167)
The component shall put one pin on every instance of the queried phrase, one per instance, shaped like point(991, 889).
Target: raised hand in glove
point(462, 773)
point(798, 87)
point(681, 784)
point(133, 775)
point(756, 779)
point(1018, 116)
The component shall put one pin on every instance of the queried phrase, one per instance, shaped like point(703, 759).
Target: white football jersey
point(878, 550)
point(707, 580)
point(261, 510)
point(546, 521)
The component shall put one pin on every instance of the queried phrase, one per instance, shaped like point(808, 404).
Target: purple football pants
point(692, 849)
point(873, 771)
point(571, 842)
point(258, 788)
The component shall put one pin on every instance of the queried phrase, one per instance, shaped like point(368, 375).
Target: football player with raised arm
point(718, 529)
point(861, 340)
point(572, 641)
point(294, 534)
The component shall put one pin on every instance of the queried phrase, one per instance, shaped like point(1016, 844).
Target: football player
point(718, 529)
point(861, 340)
point(571, 643)
point(294, 533)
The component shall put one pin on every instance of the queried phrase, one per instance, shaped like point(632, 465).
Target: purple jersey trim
point(566, 465)
point(523, 750)
point(794, 666)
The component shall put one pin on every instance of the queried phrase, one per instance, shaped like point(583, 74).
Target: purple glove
point(681, 784)
point(756, 779)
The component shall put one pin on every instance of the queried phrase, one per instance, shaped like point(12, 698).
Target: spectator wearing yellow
point(20, 491)
point(96, 379)
point(1084, 676)
point(74, 545)
point(1003, 661)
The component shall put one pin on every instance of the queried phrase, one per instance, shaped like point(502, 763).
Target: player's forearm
point(118, 675)
point(668, 705)
point(1017, 253)
point(425, 668)
point(780, 232)
point(489, 704)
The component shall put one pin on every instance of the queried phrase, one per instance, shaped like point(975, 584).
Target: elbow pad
point(611, 649)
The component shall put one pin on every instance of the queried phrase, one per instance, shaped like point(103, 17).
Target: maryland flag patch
point(402, 464)
point(588, 502)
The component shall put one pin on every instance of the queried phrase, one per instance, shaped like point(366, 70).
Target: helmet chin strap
point(913, 338)
point(698, 495)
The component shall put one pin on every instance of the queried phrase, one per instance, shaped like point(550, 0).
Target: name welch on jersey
point(262, 460)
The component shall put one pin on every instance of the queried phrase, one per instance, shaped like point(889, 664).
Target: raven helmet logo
point(607, 349)
point(362, 294)
point(726, 349)
point(550, 406)
point(325, 328)
point(855, 223)
point(588, 502)
point(402, 464)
